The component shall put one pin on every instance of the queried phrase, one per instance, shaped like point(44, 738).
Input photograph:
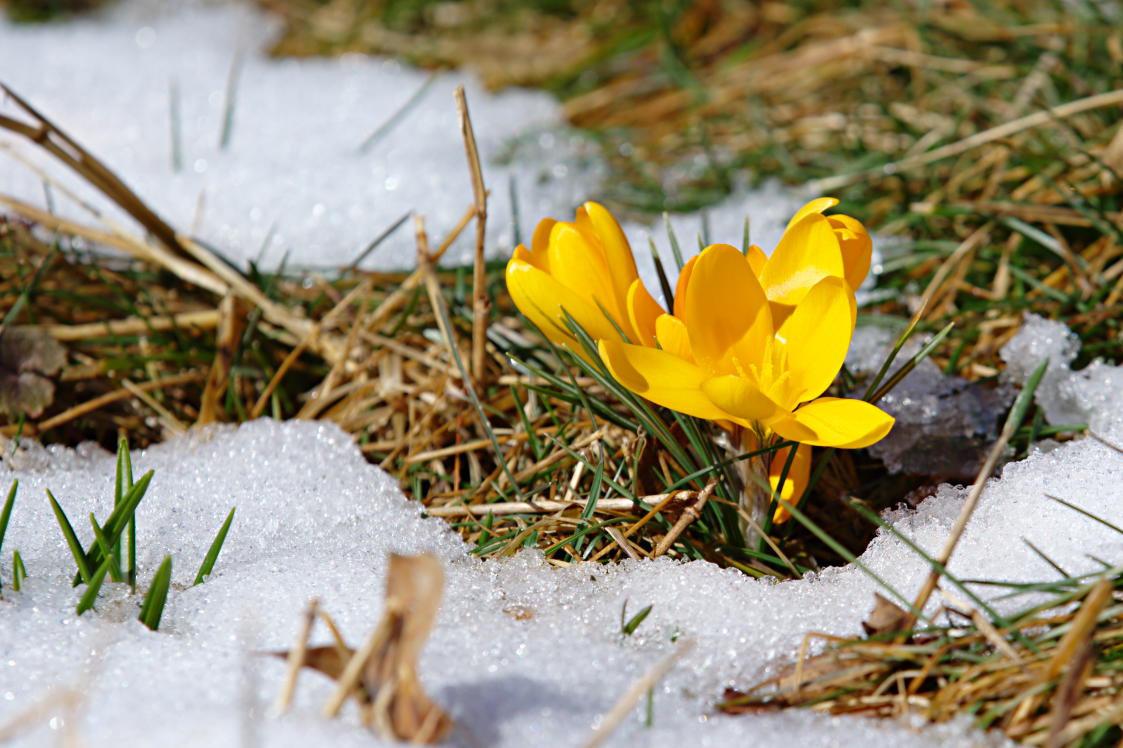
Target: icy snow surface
point(314, 520)
point(292, 179)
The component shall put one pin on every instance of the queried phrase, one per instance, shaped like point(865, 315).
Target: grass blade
point(911, 364)
point(121, 517)
point(1074, 508)
point(153, 607)
point(676, 250)
point(71, 539)
point(5, 515)
point(93, 588)
point(381, 131)
point(19, 571)
point(216, 547)
point(629, 626)
point(106, 550)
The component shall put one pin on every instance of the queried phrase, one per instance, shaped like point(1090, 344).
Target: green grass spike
point(71, 539)
point(216, 547)
point(153, 606)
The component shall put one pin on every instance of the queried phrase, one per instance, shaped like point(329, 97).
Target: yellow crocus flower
point(585, 268)
point(752, 343)
point(725, 356)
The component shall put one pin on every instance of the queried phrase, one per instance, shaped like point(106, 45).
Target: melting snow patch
point(523, 653)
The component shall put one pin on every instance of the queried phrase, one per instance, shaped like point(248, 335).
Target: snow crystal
point(1068, 397)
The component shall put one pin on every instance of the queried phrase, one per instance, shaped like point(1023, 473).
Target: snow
point(314, 520)
point(1068, 398)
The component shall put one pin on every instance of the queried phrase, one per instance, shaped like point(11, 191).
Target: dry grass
point(1050, 676)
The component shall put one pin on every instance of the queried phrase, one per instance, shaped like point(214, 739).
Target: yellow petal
point(580, 267)
point(780, 312)
point(756, 258)
point(815, 338)
point(740, 397)
point(723, 298)
point(680, 287)
point(617, 251)
point(539, 244)
point(807, 253)
point(856, 246)
point(795, 482)
point(754, 347)
point(660, 377)
point(541, 298)
point(818, 205)
point(835, 422)
point(670, 331)
point(642, 313)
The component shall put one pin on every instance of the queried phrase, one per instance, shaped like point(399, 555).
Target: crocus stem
point(753, 488)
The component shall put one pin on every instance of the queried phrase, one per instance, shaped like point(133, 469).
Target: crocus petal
point(541, 298)
point(755, 346)
point(739, 397)
point(756, 258)
point(835, 422)
point(660, 377)
point(670, 331)
point(642, 313)
point(617, 251)
point(818, 205)
point(680, 287)
point(807, 253)
point(723, 298)
point(539, 244)
point(580, 267)
point(795, 482)
point(815, 338)
point(856, 245)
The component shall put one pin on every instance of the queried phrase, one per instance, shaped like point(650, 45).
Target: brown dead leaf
point(29, 357)
point(382, 676)
point(885, 618)
point(401, 706)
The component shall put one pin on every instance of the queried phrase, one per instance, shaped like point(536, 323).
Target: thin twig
point(110, 397)
point(351, 675)
point(296, 659)
point(616, 715)
point(480, 305)
point(690, 514)
point(543, 506)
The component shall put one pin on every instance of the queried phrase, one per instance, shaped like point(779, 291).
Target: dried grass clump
point(1049, 676)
